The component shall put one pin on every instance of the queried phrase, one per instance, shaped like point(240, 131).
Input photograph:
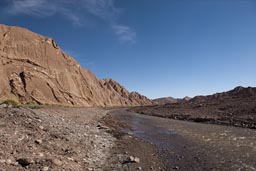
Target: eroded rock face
point(34, 68)
point(123, 96)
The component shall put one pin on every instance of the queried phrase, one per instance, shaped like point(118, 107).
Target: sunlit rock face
point(34, 68)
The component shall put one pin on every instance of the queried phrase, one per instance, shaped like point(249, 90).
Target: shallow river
point(193, 146)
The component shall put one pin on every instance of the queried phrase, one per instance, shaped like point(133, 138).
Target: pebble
point(176, 167)
point(136, 160)
point(8, 161)
point(41, 127)
point(38, 141)
point(139, 168)
point(3, 106)
point(2, 161)
point(131, 158)
point(56, 162)
point(45, 169)
point(70, 159)
point(40, 154)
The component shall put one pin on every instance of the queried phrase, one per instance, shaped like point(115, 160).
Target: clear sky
point(156, 47)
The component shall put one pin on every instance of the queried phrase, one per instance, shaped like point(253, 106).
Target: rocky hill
point(165, 100)
point(122, 95)
point(34, 68)
point(236, 107)
point(237, 93)
point(170, 100)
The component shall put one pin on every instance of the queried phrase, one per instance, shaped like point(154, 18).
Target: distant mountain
point(34, 68)
point(236, 107)
point(238, 92)
point(186, 99)
point(170, 100)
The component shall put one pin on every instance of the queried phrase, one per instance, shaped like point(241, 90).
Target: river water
point(193, 146)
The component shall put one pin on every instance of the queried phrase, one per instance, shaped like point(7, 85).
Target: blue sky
point(156, 47)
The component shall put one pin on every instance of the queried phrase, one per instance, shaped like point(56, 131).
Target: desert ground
point(101, 139)
point(59, 138)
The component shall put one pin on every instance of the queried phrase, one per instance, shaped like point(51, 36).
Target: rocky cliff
point(34, 68)
point(122, 95)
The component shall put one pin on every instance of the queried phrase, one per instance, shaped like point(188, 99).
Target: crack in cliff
point(53, 93)
point(12, 86)
point(6, 34)
point(25, 61)
point(18, 85)
point(22, 77)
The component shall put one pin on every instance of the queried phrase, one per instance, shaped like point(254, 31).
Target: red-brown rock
point(34, 68)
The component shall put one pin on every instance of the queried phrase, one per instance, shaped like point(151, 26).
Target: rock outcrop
point(34, 68)
point(122, 95)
